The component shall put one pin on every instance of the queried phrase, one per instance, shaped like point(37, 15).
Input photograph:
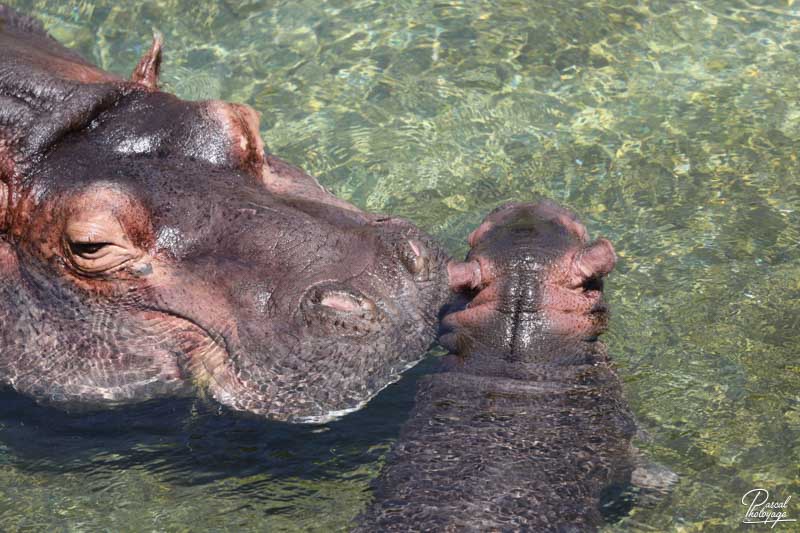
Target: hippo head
point(535, 287)
point(148, 246)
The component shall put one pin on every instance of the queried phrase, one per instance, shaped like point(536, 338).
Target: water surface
point(672, 127)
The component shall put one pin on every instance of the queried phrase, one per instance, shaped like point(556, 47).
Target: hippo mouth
point(592, 290)
point(200, 350)
point(207, 360)
point(212, 359)
point(580, 310)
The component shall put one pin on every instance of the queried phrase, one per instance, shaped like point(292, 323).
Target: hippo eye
point(94, 258)
point(96, 243)
point(87, 249)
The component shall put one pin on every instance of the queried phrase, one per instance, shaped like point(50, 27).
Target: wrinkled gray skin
point(525, 428)
point(149, 247)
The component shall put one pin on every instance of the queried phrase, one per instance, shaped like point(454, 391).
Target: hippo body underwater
point(149, 247)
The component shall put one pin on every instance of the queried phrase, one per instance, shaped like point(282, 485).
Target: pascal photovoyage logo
point(764, 511)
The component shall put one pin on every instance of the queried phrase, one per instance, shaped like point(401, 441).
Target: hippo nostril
point(338, 305)
point(417, 259)
point(593, 283)
point(347, 303)
point(332, 308)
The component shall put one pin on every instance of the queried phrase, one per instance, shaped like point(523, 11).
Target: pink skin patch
point(473, 317)
point(241, 125)
point(568, 311)
point(575, 324)
point(464, 275)
point(572, 306)
point(346, 303)
point(4, 199)
point(573, 311)
point(478, 312)
point(340, 302)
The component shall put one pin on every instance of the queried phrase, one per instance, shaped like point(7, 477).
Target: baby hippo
point(525, 427)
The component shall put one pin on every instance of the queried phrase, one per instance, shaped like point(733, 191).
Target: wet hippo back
point(525, 428)
point(490, 454)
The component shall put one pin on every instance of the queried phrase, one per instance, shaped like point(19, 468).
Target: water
point(672, 127)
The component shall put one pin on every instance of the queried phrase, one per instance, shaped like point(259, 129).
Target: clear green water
point(672, 127)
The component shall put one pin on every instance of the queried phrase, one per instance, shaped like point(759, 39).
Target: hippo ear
point(593, 261)
point(147, 71)
point(240, 126)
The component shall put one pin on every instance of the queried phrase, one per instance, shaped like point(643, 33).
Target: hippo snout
point(533, 280)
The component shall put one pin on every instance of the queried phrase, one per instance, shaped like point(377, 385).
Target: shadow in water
point(190, 441)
